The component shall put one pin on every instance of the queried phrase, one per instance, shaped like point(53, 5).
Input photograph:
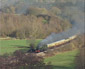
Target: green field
point(60, 61)
point(63, 60)
point(9, 46)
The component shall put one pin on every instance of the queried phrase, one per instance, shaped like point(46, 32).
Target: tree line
point(25, 26)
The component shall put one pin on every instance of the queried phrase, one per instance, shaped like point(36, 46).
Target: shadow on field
point(24, 50)
point(54, 67)
point(61, 67)
point(20, 46)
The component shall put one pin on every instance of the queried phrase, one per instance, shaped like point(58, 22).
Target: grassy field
point(63, 60)
point(60, 61)
point(9, 46)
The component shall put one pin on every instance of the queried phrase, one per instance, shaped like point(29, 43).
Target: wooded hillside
point(23, 26)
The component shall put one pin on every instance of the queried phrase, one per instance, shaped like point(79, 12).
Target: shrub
point(22, 60)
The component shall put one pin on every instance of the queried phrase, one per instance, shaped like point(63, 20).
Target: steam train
point(54, 44)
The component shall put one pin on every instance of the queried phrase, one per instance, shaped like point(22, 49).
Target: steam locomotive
point(54, 44)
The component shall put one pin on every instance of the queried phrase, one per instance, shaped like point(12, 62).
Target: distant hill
point(7, 2)
point(22, 5)
point(33, 2)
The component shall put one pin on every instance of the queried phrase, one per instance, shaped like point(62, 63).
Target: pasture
point(9, 46)
point(60, 61)
point(64, 60)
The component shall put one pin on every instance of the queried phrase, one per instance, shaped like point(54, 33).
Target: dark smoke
point(76, 15)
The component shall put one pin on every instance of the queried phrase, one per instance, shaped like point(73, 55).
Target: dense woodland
point(32, 24)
